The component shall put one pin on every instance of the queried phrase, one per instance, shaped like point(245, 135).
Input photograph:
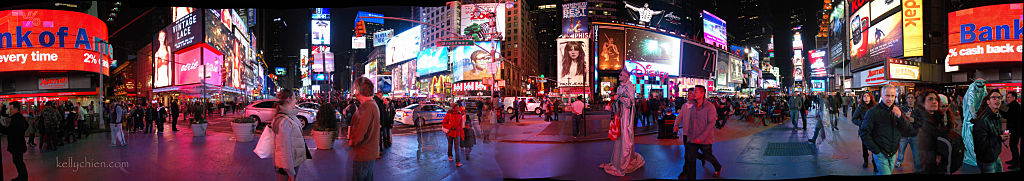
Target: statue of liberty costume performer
point(972, 101)
point(624, 158)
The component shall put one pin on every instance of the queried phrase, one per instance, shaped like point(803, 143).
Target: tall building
point(445, 17)
point(751, 26)
point(519, 50)
point(548, 22)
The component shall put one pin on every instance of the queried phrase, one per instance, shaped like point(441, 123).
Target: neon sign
point(35, 40)
point(53, 83)
point(640, 70)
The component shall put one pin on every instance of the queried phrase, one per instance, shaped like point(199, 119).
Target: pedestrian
point(1012, 113)
point(15, 132)
point(722, 109)
point(365, 131)
point(381, 109)
point(117, 125)
point(522, 109)
point(624, 158)
point(161, 117)
point(881, 130)
point(151, 116)
point(988, 140)
point(795, 105)
point(175, 110)
point(822, 114)
point(908, 137)
point(835, 105)
point(52, 117)
point(699, 124)
point(578, 117)
point(387, 122)
point(866, 102)
point(804, 110)
point(79, 126)
point(290, 149)
point(452, 125)
point(546, 107)
point(928, 114)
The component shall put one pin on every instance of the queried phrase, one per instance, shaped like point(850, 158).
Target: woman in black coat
point(863, 104)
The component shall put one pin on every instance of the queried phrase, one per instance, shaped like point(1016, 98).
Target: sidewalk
point(534, 129)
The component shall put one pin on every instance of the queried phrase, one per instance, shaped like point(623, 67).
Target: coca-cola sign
point(53, 83)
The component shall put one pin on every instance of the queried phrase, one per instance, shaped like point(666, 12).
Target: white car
point(531, 104)
point(263, 111)
point(417, 113)
point(314, 108)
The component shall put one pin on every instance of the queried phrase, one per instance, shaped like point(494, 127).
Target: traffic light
point(360, 28)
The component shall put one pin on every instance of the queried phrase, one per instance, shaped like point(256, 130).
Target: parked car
point(314, 108)
point(417, 114)
point(531, 104)
point(263, 111)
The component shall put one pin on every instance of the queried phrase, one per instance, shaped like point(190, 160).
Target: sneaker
point(810, 140)
point(459, 164)
point(718, 173)
point(450, 158)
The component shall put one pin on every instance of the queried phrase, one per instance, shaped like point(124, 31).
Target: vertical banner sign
point(572, 62)
point(574, 20)
point(913, 38)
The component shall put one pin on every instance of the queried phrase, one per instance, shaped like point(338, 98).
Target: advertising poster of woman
point(572, 62)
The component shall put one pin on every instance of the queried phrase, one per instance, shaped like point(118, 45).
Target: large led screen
point(484, 21)
point(189, 67)
point(714, 30)
point(431, 60)
point(885, 40)
point(913, 28)
point(650, 53)
point(859, 23)
point(836, 31)
point(163, 45)
point(572, 62)
point(698, 60)
point(321, 32)
point(214, 63)
point(985, 34)
point(611, 43)
point(882, 7)
point(470, 62)
point(404, 75)
point(818, 63)
point(403, 46)
point(42, 40)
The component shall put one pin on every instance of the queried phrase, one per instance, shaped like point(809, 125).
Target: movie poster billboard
point(859, 23)
point(722, 70)
point(698, 60)
point(885, 40)
point(651, 53)
point(985, 34)
point(611, 42)
point(735, 70)
point(714, 30)
point(470, 62)
point(431, 60)
point(572, 62)
point(836, 31)
point(483, 21)
point(574, 19)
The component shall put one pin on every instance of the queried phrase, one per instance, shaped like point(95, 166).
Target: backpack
point(952, 144)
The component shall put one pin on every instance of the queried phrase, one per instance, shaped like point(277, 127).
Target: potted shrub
point(198, 127)
point(243, 128)
point(325, 127)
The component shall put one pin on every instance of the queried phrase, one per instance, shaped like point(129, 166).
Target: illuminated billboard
point(913, 28)
point(483, 21)
point(985, 34)
point(818, 85)
point(883, 7)
point(189, 69)
point(885, 40)
point(650, 53)
point(572, 62)
point(404, 75)
point(321, 32)
point(859, 23)
point(714, 30)
point(574, 20)
point(837, 20)
point(470, 62)
point(381, 38)
point(611, 42)
point(280, 71)
point(899, 69)
point(367, 20)
point(403, 46)
point(818, 63)
point(39, 40)
point(698, 60)
point(431, 60)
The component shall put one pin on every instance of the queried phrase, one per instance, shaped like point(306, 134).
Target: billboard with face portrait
point(572, 62)
point(470, 62)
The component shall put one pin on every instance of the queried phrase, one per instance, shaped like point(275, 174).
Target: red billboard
point(36, 40)
point(985, 34)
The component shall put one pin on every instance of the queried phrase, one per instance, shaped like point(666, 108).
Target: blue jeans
point(362, 170)
point(904, 143)
point(794, 114)
point(992, 167)
point(884, 163)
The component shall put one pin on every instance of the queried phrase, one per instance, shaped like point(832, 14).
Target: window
point(268, 104)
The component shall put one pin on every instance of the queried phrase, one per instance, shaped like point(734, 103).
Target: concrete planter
point(324, 139)
point(243, 131)
point(199, 129)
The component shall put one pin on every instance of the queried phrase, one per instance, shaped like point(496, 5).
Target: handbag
point(613, 129)
point(265, 146)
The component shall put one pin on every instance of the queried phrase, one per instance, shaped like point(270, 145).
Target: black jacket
point(932, 126)
point(150, 114)
point(1013, 117)
point(914, 127)
point(858, 114)
point(880, 130)
point(15, 134)
point(986, 131)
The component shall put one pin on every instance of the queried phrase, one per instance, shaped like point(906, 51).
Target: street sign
point(452, 43)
